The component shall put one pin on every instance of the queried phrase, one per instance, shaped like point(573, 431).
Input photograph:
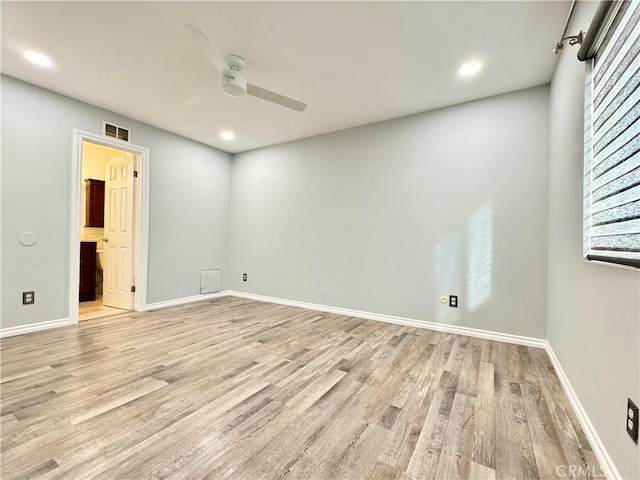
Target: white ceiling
point(353, 63)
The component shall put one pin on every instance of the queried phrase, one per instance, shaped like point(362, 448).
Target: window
point(612, 137)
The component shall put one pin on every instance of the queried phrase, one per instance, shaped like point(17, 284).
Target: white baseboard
point(183, 300)
point(33, 327)
point(598, 448)
point(440, 327)
point(63, 322)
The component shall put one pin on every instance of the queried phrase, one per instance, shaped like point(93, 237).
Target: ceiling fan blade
point(209, 49)
point(198, 97)
point(270, 96)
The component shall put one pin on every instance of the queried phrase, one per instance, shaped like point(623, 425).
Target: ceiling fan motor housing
point(233, 86)
point(232, 83)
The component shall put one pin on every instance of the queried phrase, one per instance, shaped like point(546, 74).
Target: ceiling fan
point(231, 80)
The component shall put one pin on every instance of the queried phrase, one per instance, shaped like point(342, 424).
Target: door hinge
point(135, 174)
point(133, 289)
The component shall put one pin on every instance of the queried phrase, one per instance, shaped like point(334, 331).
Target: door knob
point(105, 240)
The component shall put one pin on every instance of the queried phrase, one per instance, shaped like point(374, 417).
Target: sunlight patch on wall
point(480, 256)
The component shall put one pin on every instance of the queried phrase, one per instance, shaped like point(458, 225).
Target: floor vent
point(210, 281)
point(115, 131)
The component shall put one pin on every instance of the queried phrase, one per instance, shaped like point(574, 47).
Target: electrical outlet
point(632, 420)
point(28, 298)
point(453, 301)
point(244, 277)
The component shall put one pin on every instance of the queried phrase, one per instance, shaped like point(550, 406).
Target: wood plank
point(21, 374)
point(455, 458)
point(480, 472)
point(484, 445)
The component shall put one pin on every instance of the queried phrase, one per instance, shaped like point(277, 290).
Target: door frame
point(140, 224)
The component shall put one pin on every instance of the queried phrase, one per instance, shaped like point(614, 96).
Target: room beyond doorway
point(107, 211)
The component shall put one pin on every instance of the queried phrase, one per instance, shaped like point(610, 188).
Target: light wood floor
point(238, 389)
point(96, 309)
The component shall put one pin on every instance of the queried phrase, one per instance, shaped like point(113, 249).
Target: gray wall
point(593, 320)
point(189, 203)
point(387, 217)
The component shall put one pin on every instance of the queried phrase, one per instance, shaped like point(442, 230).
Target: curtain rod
point(572, 39)
point(602, 20)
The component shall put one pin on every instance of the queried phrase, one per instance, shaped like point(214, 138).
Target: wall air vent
point(210, 281)
point(115, 131)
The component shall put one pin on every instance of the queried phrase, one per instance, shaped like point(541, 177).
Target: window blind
point(612, 156)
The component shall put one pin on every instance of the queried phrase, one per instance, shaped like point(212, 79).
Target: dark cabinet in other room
point(88, 271)
point(95, 203)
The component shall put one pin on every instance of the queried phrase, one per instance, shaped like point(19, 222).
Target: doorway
point(108, 228)
point(106, 233)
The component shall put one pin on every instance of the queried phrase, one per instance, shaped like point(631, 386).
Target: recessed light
point(38, 58)
point(227, 135)
point(469, 69)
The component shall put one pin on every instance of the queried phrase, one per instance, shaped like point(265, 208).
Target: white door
point(118, 226)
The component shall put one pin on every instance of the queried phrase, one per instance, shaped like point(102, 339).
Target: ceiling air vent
point(121, 133)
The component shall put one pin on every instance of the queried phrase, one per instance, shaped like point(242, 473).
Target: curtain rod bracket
point(573, 40)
